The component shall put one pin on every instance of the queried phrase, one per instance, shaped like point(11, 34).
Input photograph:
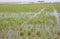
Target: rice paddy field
point(30, 21)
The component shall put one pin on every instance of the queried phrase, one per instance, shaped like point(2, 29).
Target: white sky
point(29, 0)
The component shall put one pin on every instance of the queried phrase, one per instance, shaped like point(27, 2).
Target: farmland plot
point(38, 25)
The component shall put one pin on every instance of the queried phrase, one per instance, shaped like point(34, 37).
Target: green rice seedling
point(29, 33)
point(20, 8)
point(21, 29)
point(38, 34)
point(58, 33)
point(22, 33)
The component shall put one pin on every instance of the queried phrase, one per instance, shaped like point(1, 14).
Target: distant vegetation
point(27, 7)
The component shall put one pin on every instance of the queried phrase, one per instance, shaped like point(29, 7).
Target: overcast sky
point(29, 0)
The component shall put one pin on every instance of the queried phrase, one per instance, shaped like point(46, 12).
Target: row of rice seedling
point(43, 26)
point(37, 28)
point(27, 7)
point(20, 8)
